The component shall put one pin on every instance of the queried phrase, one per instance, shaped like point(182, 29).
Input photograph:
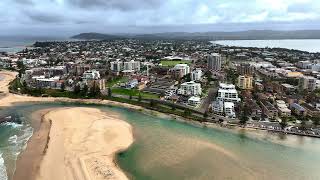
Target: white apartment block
point(183, 67)
point(91, 75)
point(116, 66)
point(131, 66)
point(190, 88)
point(214, 62)
point(196, 75)
point(227, 93)
point(229, 110)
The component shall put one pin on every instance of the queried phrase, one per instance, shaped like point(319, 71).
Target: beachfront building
point(217, 107)
point(283, 108)
point(228, 93)
point(194, 101)
point(245, 82)
point(229, 110)
point(183, 68)
point(269, 110)
point(196, 75)
point(214, 62)
point(190, 88)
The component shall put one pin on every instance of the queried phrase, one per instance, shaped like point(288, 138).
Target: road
point(207, 100)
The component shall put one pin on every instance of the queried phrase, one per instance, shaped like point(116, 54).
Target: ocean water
point(309, 45)
point(167, 149)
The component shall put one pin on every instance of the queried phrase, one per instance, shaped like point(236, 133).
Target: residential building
point(116, 66)
point(194, 101)
point(310, 110)
point(217, 107)
point(190, 88)
point(307, 83)
point(184, 68)
point(214, 62)
point(132, 66)
point(196, 75)
point(245, 69)
point(297, 109)
point(245, 82)
point(228, 93)
point(229, 110)
point(91, 75)
point(269, 110)
point(283, 108)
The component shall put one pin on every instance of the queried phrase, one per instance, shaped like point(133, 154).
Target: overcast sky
point(67, 17)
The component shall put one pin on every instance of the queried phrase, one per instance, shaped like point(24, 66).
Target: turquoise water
point(167, 149)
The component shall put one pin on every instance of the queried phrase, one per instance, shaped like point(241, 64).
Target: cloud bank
point(99, 15)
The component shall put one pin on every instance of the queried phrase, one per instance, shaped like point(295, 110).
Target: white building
point(196, 75)
point(91, 75)
point(283, 108)
point(116, 66)
point(214, 62)
point(131, 66)
point(184, 68)
point(217, 107)
point(170, 92)
point(190, 88)
point(194, 101)
point(228, 93)
point(308, 83)
point(229, 110)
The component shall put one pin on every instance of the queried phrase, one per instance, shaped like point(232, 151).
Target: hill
point(239, 35)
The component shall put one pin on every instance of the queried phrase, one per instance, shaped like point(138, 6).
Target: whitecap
point(13, 139)
point(3, 171)
point(12, 124)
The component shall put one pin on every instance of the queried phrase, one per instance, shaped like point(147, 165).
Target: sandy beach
point(72, 143)
point(82, 145)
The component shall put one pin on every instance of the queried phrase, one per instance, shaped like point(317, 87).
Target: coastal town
point(273, 89)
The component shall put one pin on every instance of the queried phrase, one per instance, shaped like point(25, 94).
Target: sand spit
point(82, 145)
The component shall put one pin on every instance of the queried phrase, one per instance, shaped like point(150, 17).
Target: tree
point(205, 115)
point(85, 89)
point(109, 92)
point(244, 116)
point(284, 122)
point(187, 112)
point(315, 121)
point(63, 87)
point(76, 89)
point(139, 97)
point(153, 103)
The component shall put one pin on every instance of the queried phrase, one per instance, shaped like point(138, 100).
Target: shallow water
point(166, 149)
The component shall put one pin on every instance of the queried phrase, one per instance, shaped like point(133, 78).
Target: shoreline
point(45, 153)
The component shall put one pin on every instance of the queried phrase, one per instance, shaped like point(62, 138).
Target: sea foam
point(3, 171)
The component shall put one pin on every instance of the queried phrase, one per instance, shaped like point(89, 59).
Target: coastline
point(10, 99)
point(80, 142)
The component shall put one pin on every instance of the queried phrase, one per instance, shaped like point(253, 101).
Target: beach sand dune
point(82, 145)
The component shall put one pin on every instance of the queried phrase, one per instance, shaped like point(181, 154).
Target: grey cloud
point(45, 17)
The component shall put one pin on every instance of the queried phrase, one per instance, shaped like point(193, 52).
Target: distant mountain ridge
point(239, 35)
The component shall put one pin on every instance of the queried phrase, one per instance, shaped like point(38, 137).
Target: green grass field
point(116, 81)
point(173, 63)
point(134, 92)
